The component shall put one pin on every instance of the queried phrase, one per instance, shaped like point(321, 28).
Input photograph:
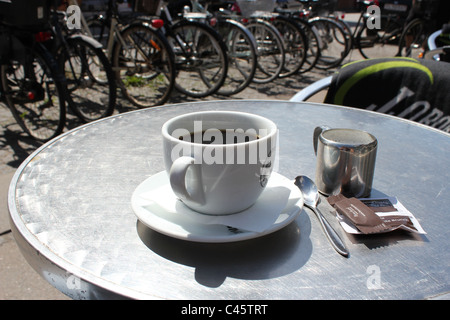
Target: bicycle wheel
point(34, 92)
point(295, 45)
point(313, 52)
point(241, 52)
point(270, 48)
point(413, 39)
point(90, 79)
point(348, 35)
point(333, 44)
point(200, 58)
point(373, 43)
point(144, 65)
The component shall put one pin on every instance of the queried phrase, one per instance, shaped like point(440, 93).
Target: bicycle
point(413, 39)
point(31, 84)
point(270, 46)
point(292, 35)
point(428, 18)
point(335, 42)
point(90, 79)
point(310, 32)
point(269, 43)
point(374, 42)
point(295, 43)
point(241, 45)
point(141, 56)
point(370, 43)
point(200, 54)
point(294, 39)
point(332, 41)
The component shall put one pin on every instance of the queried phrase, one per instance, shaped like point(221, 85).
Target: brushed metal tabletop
point(71, 215)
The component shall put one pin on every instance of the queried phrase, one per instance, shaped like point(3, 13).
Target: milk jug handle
point(317, 131)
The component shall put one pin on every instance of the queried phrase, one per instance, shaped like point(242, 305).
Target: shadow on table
point(375, 241)
point(271, 256)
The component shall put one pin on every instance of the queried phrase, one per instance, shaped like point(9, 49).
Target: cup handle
point(317, 132)
point(177, 177)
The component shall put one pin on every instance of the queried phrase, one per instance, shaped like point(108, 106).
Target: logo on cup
point(266, 169)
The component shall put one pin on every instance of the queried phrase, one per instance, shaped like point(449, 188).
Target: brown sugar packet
point(363, 217)
point(356, 211)
point(385, 205)
point(333, 199)
point(395, 221)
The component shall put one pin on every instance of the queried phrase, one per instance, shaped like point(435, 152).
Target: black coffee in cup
point(221, 136)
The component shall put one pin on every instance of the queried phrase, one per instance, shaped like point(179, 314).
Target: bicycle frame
point(31, 91)
point(363, 21)
point(359, 26)
point(114, 35)
point(31, 79)
point(168, 31)
point(115, 28)
point(111, 20)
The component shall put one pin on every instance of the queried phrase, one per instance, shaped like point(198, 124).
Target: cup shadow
point(270, 256)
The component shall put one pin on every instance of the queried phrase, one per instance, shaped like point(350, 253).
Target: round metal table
point(71, 215)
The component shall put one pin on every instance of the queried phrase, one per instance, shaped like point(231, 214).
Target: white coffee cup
point(227, 175)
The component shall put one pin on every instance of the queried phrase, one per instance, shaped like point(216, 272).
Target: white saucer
point(187, 224)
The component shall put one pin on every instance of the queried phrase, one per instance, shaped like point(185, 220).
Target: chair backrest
point(439, 45)
point(418, 90)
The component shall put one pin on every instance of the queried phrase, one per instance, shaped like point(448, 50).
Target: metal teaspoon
point(311, 199)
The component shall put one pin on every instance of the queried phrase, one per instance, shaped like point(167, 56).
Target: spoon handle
point(331, 234)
